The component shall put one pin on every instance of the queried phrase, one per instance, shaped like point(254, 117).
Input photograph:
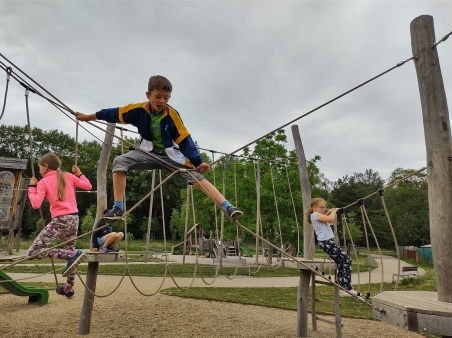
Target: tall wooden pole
point(439, 150)
point(308, 232)
point(102, 172)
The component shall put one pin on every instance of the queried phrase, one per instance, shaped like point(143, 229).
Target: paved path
point(385, 271)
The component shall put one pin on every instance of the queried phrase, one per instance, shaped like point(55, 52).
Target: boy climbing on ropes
point(165, 137)
point(59, 189)
point(105, 240)
point(320, 220)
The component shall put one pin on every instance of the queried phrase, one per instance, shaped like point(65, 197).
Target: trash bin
point(425, 253)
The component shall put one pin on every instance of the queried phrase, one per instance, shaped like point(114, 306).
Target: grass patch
point(286, 298)
point(158, 270)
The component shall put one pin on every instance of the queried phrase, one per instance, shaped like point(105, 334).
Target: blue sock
point(225, 205)
point(119, 204)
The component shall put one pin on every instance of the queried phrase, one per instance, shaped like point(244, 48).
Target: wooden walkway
point(417, 311)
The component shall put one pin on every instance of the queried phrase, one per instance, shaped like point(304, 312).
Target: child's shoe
point(113, 213)
point(234, 212)
point(104, 250)
point(342, 293)
point(69, 294)
point(112, 249)
point(73, 262)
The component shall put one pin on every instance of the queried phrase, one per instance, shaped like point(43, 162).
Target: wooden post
point(102, 172)
point(302, 303)
point(308, 231)
point(439, 150)
point(88, 301)
point(313, 310)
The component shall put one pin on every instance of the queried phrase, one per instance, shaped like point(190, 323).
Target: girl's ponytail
point(61, 185)
point(54, 163)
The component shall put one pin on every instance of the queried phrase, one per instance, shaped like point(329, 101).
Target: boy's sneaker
point(112, 249)
point(73, 262)
point(113, 213)
point(61, 292)
point(234, 212)
point(104, 250)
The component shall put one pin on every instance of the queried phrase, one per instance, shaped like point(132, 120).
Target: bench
point(407, 271)
point(154, 252)
point(231, 263)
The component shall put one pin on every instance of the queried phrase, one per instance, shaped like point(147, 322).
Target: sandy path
point(127, 313)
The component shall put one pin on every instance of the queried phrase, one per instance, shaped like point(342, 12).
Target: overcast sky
point(239, 70)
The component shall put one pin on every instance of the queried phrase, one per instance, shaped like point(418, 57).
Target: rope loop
point(8, 76)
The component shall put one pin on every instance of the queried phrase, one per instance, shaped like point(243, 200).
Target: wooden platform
point(417, 311)
point(98, 256)
point(320, 264)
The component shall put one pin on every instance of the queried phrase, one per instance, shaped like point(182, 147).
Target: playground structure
point(35, 295)
point(429, 312)
point(12, 198)
point(437, 163)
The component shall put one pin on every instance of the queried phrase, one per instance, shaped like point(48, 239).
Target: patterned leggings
point(61, 227)
point(343, 262)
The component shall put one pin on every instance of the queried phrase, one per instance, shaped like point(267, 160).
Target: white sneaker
point(350, 293)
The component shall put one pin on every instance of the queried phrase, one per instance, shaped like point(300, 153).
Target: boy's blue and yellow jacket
point(178, 144)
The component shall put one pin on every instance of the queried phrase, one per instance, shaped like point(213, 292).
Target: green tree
point(14, 142)
point(350, 189)
point(407, 203)
point(236, 176)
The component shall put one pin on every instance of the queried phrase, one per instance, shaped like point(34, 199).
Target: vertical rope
point(277, 210)
point(294, 211)
point(257, 174)
point(8, 75)
point(163, 216)
point(393, 236)
point(76, 141)
point(235, 182)
point(222, 214)
point(345, 226)
point(186, 223)
point(361, 206)
point(379, 252)
point(30, 143)
point(151, 203)
point(215, 205)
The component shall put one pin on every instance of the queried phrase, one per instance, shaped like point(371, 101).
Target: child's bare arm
point(84, 117)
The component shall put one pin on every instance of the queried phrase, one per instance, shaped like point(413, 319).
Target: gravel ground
point(127, 313)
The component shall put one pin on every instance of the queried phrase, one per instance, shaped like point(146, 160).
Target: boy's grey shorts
point(136, 159)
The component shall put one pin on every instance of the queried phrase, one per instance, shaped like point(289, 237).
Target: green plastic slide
point(245, 250)
point(35, 295)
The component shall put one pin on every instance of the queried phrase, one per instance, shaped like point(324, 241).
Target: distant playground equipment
point(245, 250)
point(12, 197)
point(210, 245)
point(35, 295)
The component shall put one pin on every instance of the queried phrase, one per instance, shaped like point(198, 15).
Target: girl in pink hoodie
point(59, 189)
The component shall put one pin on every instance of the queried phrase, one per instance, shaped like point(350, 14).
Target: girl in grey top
point(320, 222)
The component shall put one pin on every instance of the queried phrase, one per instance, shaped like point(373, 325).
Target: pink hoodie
point(48, 187)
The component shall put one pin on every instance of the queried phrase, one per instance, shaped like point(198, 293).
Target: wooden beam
point(439, 149)
point(302, 303)
point(308, 230)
